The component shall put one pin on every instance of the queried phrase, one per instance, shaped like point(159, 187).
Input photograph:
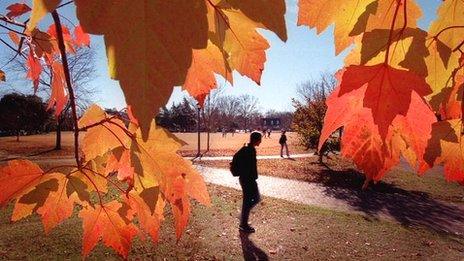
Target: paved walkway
point(399, 205)
point(259, 157)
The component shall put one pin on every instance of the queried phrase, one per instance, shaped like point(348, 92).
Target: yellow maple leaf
point(344, 14)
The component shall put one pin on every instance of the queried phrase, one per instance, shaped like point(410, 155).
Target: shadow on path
point(250, 250)
point(409, 208)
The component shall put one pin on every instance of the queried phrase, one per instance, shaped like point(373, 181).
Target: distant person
point(248, 173)
point(269, 133)
point(224, 132)
point(283, 143)
point(264, 133)
point(233, 132)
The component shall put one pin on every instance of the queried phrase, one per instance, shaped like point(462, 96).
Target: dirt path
point(405, 207)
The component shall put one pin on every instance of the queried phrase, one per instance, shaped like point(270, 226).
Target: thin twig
point(13, 30)
point(9, 21)
point(65, 4)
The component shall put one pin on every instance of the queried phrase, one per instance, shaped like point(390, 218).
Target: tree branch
point(72, 98)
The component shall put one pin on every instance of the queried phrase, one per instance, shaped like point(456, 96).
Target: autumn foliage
point(399, 95)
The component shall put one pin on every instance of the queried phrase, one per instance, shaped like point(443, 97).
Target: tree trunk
point(58, 133)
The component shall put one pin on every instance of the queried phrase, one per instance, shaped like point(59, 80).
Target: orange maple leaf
point(388, 91)
point(374, 144)
point(34, 70)
point(81, 37)
point(16, 178)
point(59, 96)
point(101, 138)
point(345, 14)
point(105, 222)
point(142, 204)
point(58, 206)
point(447, 147)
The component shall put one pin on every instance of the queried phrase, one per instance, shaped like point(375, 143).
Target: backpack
point(236, 165)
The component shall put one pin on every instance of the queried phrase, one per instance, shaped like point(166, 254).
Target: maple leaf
point(105, 222)
point(388, 92)
point(151, 54)
point(446, 147)
point(68, 41)
point(58, 97)
point(376, 149)
point(34, 197)
point(234, 43)
point(34, 71)
point(268, 14)
point(149, 208)
point(43, 44)
point(158, 164)
point(244, 51)
point(93, 115)
point(390, 14)
point(451, 98)
point(344, 14)
point(48, 198)
point(16, 178)
point(57, 207)
point(2, 76)
point(408, 48)
point(39, 9)
point(448, 27)
point(17, 9)
point(120, 161)
point(200, 78)
point(440, 73)
point(101, 138)
point(180, 204)
point(81, 37)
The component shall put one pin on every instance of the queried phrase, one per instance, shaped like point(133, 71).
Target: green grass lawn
point(284, 231)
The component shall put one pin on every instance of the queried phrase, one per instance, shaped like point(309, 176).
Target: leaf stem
point(390, 37)
point(446, 29)
point(72, 98)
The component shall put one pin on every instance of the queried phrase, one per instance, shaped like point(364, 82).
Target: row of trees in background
point(219, 112)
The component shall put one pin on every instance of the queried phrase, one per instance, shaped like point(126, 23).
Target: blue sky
point(303, 57)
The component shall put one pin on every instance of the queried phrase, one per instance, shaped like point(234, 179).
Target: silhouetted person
point(269, 133)
point(247, 180)
point(283, 143)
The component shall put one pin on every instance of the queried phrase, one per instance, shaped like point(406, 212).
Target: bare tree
point(82, 69)
point(228, 111)
point(248, 106)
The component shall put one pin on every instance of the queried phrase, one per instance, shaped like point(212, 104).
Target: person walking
point(247, 179)
point(283, 143)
